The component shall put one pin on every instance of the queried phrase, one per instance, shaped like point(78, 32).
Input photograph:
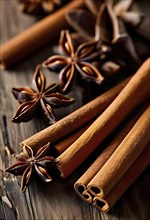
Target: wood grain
point(56, 200)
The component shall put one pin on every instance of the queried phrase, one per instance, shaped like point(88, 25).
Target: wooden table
point(56, 200)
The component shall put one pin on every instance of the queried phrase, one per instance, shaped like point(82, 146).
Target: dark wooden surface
point(56, 200)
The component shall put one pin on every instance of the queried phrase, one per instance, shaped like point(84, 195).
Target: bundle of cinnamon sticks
point(118, 165)
point(126, 156)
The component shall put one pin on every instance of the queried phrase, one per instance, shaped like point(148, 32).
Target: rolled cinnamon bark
point(135, 92)
point(35, 37)
point(123, 157)
point(74, 120)
point(63, 144)
point(125, 182)
point(81, 185)
point(87, 196)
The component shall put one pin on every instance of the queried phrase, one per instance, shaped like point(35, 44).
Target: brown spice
point(125, 102)
point(125, 182)
point(123, 157)
point(39, 98)
point(81, 185)
point(63, 144)
point(74, 120)
point(29, 41)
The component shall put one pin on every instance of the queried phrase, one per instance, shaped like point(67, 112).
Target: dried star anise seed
point(110, 26)
point(39, 98)
point(116, 14)
point(40, 6)
point(74, 61)
point(28, 164)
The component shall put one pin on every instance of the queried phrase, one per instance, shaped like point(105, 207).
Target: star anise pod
point(28, 164)
point(40, 6)
point(114, 15)
point(74, 61)
point(122, 13)
point(91, 28)
point(39, 98)
point(109, 19)
point(121, 9)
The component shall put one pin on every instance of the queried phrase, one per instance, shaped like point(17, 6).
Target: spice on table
point(141, 163)
point(123, 157)
point(120, 10)
point(81, 185)
point(75, 120)
point(116, 112)
point(42, 98)
point(28, 164)
point(111, 27)
point(60, 146)
point(29, 41)
point(69, 123)
point(134, 15)
point(74, 61)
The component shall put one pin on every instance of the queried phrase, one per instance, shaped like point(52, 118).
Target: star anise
point(116, 14)
point(79, 19)
point(110, 19)
point(121, 9)
point(74, 61)
point(28, 164)
point(39, 98)
point(40, 6)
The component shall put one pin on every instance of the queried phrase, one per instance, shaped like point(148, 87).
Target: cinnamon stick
point(123, 157)
point(81, 185)
point(74, 120)
point(62, 145)
point(35, 37)
point(135, 92)
point(125, 182)
point(87, 196)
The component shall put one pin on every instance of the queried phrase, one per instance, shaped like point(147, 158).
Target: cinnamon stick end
point(87, 196)
point(79, 188)
point(95, 190)
point(82, 192)
point(101, 204)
